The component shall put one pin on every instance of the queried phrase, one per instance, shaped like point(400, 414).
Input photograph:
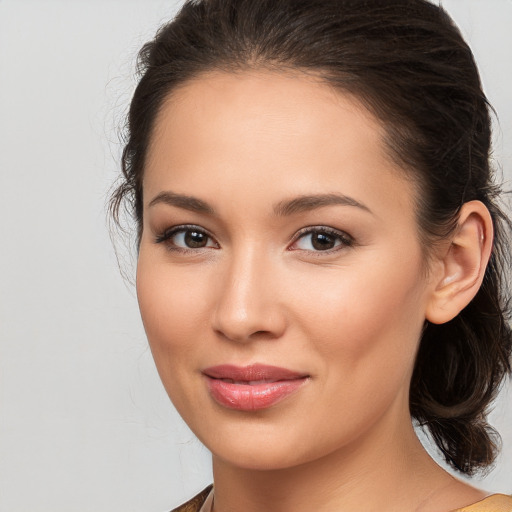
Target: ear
point(462, 264)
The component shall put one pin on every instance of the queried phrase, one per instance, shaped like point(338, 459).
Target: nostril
point(261, 333)
point(242, 336)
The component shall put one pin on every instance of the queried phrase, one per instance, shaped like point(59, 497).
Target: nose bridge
point(247, 300)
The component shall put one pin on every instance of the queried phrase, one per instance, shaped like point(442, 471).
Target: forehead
point(258, 105)
point(287, 133)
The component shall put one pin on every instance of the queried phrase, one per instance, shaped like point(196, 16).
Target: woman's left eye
point(322, 239)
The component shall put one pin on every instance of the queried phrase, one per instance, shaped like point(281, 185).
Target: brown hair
point(407, 62)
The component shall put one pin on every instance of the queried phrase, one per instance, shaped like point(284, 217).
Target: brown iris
point(322, 241)
point(195, 239)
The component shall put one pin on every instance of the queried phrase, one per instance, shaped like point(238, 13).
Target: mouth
point(252, 388)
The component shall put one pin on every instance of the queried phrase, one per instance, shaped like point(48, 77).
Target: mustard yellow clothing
point(495, 503)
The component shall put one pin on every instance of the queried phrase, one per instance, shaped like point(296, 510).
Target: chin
point(259, 459)
point(261, 449)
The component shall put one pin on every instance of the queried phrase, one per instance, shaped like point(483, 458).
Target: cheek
point(171, 303)
point(364, 333)
point(372, 313)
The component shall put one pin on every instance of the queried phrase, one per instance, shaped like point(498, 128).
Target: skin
point(260, 292)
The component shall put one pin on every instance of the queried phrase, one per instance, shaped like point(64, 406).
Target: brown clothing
point(494, 503)
point(195, 503)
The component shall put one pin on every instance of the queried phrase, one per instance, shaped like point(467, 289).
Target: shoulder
point(195, 503)
point(494, 503)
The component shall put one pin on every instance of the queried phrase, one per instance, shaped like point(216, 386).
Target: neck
point(387, 469)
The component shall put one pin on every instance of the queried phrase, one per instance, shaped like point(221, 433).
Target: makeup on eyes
point(192, 235)
point(322, 239)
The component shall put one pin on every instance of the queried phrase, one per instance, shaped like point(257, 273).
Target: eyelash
point(166, 236)
point(345, 239)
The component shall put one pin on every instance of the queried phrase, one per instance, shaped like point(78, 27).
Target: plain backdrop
point(84, 422)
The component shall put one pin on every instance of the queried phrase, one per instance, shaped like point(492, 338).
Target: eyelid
point(164, 237)
point(346, 239)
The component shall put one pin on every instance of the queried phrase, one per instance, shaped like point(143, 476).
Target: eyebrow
point(311, 202)
point(282, 209)
point(190, 203)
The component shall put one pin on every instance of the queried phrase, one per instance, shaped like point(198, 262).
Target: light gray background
point(84, 422)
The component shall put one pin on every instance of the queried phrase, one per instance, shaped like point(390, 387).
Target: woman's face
point(280, 278)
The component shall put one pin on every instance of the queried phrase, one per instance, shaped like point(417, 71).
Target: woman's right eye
point(187, 238)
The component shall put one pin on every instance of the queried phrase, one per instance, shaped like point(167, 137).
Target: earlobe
point(462, 264)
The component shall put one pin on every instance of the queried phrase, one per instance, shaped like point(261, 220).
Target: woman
point(321, 252)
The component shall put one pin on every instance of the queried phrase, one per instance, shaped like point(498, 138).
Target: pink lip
point(251, 388)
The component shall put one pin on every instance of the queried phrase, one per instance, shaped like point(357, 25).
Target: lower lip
point(252, 397)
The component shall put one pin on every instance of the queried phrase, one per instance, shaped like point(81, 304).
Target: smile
point(252, 388)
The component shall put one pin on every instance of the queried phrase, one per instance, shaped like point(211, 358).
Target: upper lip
point(252, 373)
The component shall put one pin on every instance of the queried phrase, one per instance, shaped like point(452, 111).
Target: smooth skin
point(237, 267)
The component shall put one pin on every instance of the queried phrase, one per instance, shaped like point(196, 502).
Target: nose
point(248, 305)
